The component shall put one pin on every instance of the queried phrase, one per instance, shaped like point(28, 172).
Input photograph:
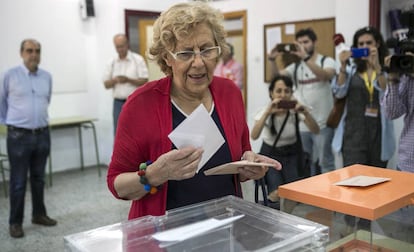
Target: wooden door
point(145, 31)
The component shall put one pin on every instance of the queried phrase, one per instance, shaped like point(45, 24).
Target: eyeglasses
point(206, 54)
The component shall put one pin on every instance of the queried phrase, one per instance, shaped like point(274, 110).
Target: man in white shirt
point(124, 74)
point(311, 76)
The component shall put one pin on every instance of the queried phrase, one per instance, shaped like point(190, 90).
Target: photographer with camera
point(279, 123)
point(399, 100)
point(364, 135)
point(311, 75)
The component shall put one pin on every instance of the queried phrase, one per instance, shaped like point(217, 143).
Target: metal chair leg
point(3, 177)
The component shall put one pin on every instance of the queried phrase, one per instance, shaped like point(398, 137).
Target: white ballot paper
point(361, 181)
point(191, 230)
point(198, 130)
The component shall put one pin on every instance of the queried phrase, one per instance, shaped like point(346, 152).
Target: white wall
point(75, 51)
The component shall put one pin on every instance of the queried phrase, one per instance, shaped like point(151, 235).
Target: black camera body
point(402, 63)
point(287, 104)
point(286, 48)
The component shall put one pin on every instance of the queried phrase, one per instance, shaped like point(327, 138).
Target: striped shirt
point(398, 101)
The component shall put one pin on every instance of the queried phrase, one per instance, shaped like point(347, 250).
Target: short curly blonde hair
point(177, 23)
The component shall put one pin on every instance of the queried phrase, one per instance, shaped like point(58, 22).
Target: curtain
point(375, 13)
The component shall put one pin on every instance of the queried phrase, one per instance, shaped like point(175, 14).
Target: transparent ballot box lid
point(225, 224)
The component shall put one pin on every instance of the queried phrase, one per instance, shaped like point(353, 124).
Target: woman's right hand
point(344, 57)
point(177, 164)
point(273, 107)
point(274, 53)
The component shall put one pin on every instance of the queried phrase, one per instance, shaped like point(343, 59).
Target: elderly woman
point(188, 41)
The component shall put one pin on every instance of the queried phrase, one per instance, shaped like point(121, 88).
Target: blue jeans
point(116, 111)
point(27, 152)
point(320, 150)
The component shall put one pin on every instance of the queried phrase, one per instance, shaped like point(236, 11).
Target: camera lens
point(405, 63)
point(407, 46)
point(402, 64)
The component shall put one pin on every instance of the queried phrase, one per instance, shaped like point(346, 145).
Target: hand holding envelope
point(246, 168)
point(199, 130)
point(233, 167)
point(195, 130)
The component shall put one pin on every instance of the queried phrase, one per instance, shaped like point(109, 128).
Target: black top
point(362, 133)
point(200, 187)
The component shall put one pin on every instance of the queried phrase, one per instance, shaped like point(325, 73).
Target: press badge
point(371, 111)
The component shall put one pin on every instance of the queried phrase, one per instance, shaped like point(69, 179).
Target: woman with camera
point(278, 122)
point(364, 135)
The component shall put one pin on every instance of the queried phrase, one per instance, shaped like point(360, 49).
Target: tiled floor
point(78, 200)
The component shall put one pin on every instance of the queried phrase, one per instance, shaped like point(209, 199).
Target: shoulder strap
point(303, 158)
point(295, 74)
point(323, 60)
point(281, 129)
point(297, 128)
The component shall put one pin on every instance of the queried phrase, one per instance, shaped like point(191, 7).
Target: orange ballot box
point(393, 190)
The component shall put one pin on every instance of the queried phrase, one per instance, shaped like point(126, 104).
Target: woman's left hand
point(254, 172)
point(373, 58)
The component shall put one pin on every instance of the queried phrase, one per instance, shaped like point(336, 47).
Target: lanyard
point(369, 84)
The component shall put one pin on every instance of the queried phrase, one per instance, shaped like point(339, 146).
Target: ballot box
point(378, 203)
point(226, 224)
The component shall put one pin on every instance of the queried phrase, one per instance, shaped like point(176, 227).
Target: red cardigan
point(146, 121)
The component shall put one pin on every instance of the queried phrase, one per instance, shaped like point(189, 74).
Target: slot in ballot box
point(226, 224)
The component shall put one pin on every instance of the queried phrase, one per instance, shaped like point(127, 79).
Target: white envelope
point(233, 167)
point(362, 181)
point(198, 130)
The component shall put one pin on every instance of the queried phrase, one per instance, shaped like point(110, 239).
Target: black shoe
point(16, 231)
point(274, 204)
point(44, 220)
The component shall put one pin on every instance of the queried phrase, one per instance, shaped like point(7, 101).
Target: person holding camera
point(312, 88)
point(364, 135)
point(399, 100)
point(279, 122)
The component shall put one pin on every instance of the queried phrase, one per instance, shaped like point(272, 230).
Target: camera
point(400, 62)
point(359, 52)
point(286, 48)
point(287, 104)
point(403, 64)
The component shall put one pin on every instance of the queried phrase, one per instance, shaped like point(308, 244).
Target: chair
point(260, 183)
point(3, 158)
